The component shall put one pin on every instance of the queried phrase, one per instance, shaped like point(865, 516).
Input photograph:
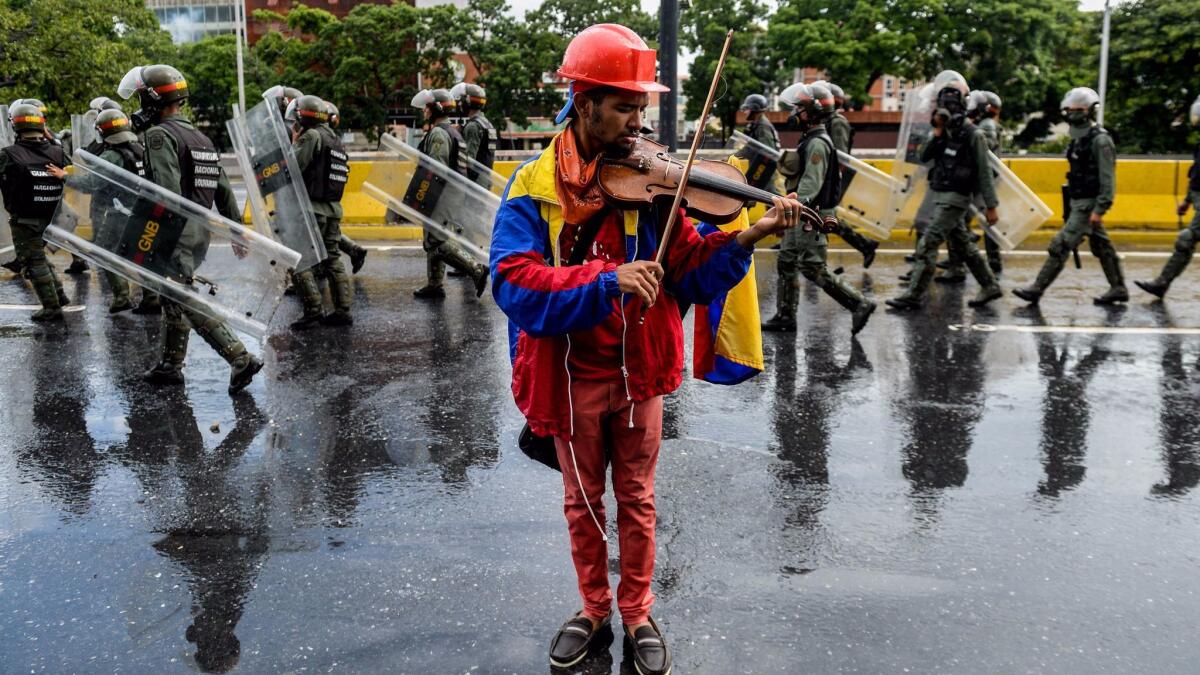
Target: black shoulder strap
point(588, 230)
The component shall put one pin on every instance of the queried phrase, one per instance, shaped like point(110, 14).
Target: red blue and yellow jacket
point(546, 301)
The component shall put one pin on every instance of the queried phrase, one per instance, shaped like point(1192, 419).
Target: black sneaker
point(985, 296)
point(650, 653)
point(1155, 287)
point(308, 321)
point(357, 258)
point(243, 372)
point(1030, 295)
point(903, 303)
point(861, 316)
point(430, 293)
point(77, 266)
point(1112, 296)
point(337, 319)
point(572, 641)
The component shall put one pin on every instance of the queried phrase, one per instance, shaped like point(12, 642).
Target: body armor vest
point(486, 153)
point(326, 175)
point(199, 163)
point(1083, 180)
point(30, 191)
point(456, 141)
point(955, 170)
point(831, 184)
point(1194, 171)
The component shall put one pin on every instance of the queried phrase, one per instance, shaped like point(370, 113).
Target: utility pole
point(668, 66)
point(1103, 64)
point(241, 68)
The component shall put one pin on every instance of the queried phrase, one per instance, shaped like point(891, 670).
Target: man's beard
point(614, 150)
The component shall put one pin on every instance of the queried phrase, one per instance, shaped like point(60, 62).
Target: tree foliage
point(66, 52)
point(748, 68)
point(1154, 75)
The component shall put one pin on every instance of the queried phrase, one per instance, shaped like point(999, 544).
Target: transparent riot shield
point(486, 178)
point(1021, 211)
point(83, 130)
point(762, 160)
point(278, 200)
point(431, 194)
point(7, 137)
point(172, 246)
point(910, 174)
point(865, 190)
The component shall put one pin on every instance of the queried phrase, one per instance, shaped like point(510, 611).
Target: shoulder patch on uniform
point(816, 159)
point(155, 141)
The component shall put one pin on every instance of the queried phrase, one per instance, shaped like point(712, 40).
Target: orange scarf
point(575, 180)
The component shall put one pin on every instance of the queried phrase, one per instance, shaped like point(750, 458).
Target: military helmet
point(282, 96)
point(37, 103)
point(104, 103)
point(311, 111)
point(441, 100)
point(839, 96)
point(789, 97)
point(156, 86)
point(754, 103)
point(1194, 114)
point(950, 79)
point(1081, 98)
point(335, 118)
point(26, 117)
point(976, 103)
point(819, 101)
point(114, 127)
point(469, 96)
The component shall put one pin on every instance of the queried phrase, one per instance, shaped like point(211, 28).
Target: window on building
point(225, 13)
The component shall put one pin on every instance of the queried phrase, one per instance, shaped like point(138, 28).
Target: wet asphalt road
point(932, 498)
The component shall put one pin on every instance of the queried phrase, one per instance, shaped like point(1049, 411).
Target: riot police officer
point(119, 146)
point(960, 169)
point(842, 135)
point(479, 136)
point(1185, 243)
point(357, 254)
point(182, 160)
point(283, 97)
point(814, 174)
point(32, 193)
point(326, 168)
point(983, 107)
point(760, 172)
point(443, 143)
point(1091, 184)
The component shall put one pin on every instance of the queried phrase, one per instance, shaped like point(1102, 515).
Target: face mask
point(142, 119)
point(1077, 118)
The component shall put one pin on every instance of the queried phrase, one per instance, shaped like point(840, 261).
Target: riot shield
point(172, 246)
point(431, 194)
point(910, 174)
point(8, 252)
point(278, 200)
point(83, 130)
point(865, 190)
point(1021, 211)
point(762, 160)
point(487, 178)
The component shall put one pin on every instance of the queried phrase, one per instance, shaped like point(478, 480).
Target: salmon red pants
point(603, 434)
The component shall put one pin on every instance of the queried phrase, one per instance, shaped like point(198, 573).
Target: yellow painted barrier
point(1147, 192)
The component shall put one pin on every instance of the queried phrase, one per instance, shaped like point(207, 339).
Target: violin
point(716, 192)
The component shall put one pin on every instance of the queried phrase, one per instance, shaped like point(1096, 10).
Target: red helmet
point(611, 55)
point(608, 55)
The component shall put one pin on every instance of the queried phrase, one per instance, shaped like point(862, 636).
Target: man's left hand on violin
point(784, 214)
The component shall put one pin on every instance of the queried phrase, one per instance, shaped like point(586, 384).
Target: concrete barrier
point(1144, 209)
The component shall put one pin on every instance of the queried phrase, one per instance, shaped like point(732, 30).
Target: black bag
point(541, 448)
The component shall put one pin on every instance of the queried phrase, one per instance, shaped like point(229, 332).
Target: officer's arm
point(439, 146)
point(814, 172)
point(306, 148)
point(1106, 161)
point(983, 165)
point(472, 135)
point(932, 146)
point(3, 168)
point(162, 161)
point(841, 135)
point(226, 202)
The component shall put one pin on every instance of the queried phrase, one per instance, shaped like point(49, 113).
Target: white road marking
point(1087, 330)
point(34, 308)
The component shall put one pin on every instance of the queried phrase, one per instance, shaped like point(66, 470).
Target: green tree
point(748, 68)
point(1154, 75)
point(568, 18)
point(66, 52)
point(512, 57)
point(210, 66)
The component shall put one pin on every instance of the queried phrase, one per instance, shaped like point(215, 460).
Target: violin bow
point(673, 215)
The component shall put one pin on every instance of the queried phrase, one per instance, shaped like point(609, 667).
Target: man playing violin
point(596, 326)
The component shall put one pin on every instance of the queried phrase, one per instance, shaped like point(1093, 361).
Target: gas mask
point(950, 107)
point(1077, 118)
point(799, 118)
point(142, 119)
